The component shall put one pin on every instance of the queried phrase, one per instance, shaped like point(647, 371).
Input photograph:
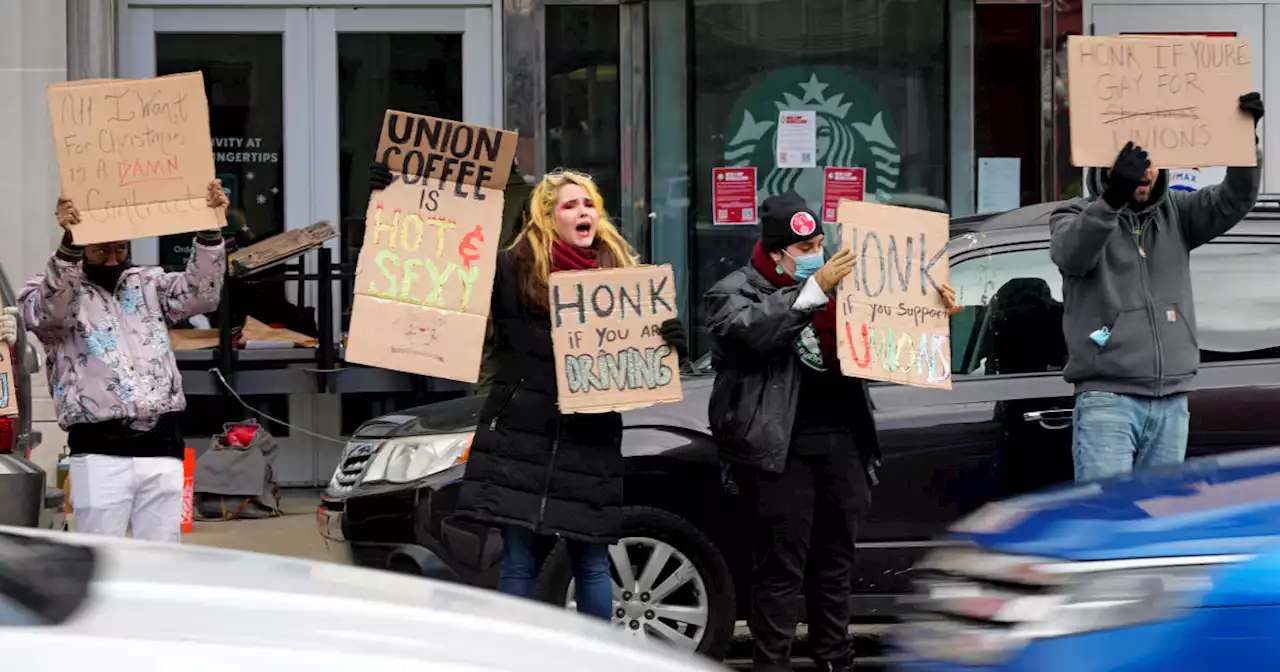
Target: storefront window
point(414, 72)
point(583, 100)
point(874, 73)
point(243, 80)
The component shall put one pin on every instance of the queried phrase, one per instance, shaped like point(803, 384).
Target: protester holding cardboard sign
point(533, 470)
point(116, 385)
point(801, 436)
point(1130, 318)
point(426, 267)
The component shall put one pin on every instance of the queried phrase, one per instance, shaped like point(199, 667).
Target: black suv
point(1004, 429)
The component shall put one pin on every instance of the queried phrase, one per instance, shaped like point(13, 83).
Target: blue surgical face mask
point(808, 264)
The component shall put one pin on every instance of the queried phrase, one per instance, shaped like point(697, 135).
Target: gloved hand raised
point(380, 176)
point(674, 334)
point(839, 265)
point(1252, 103)
point(1127, 173)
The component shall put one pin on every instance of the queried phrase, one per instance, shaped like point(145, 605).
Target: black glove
point(1125, 176)
point(380, 176)
point(674, 334)
point(1252, 103)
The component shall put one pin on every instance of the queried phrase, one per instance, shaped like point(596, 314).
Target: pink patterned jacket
point(108, 355)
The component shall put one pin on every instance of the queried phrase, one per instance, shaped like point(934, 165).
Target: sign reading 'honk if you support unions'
point(1176, 97)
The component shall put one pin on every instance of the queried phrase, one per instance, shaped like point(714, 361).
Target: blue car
point(1169, 570)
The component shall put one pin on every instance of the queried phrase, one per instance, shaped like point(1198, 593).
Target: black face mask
point(105, 276)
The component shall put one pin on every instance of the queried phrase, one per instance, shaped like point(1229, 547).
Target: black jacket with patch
point(753, 329)
point(531, 465)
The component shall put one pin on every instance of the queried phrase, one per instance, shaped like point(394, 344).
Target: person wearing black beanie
point(800, 436)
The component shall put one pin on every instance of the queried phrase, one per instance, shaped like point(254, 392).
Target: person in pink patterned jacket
point(115, 383)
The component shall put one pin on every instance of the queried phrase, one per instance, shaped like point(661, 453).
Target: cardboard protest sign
point(1176, 97)
point(891, 323)
point(609, 353)
point(425, 273)
point(8, 385)
point(134, 156)
point(279, 248)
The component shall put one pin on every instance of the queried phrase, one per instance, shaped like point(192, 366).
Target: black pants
point(813, 505)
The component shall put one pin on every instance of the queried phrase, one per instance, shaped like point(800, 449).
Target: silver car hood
point(165, 607)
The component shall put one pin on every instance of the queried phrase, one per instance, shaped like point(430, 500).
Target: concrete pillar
point(33, 54)
point(91, 39)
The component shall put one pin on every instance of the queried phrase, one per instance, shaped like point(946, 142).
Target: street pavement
point(294, 534)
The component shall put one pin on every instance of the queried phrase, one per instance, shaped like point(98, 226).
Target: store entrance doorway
point(296, 98)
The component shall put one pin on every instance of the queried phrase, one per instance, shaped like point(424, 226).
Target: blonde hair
point(538, 236)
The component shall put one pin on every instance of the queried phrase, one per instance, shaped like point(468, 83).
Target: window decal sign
point(854, 128)
point(733, 196)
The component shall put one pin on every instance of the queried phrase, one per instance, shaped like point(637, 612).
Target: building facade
point(953, 105)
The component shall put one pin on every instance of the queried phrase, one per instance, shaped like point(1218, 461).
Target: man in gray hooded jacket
point(1130, 322)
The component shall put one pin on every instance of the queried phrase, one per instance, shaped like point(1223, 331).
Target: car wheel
point(670, 583)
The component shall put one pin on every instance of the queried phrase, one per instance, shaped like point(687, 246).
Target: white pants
point(111, 494)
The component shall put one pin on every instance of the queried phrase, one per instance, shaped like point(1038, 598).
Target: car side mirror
point(30, 358)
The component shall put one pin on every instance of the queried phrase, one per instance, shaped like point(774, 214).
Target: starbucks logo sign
point(854, 130)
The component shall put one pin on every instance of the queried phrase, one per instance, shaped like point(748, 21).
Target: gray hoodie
point(1130, 321)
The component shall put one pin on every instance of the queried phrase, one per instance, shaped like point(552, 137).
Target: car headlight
point(980, 608)
point(403, 460)
point(1122, 598)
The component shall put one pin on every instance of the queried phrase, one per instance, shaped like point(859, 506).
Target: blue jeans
point(1116, 434)
point(523, 552)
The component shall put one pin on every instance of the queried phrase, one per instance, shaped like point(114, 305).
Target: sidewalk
point(292, 534)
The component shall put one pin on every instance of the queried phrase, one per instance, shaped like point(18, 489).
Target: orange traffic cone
point(188, 487)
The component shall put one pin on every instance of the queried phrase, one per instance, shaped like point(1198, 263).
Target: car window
point(1012, 317)
point(1237, 305)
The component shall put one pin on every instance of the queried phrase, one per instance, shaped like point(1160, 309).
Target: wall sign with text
point(733, 196)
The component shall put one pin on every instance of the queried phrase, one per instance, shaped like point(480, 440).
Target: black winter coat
point(753, 403)
point(529, 464)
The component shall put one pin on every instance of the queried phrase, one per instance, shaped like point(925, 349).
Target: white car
point(80, 602)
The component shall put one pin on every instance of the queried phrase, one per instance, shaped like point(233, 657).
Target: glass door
point(434, 61)
point(259, 112)
point(296, 98)
point(587, 63)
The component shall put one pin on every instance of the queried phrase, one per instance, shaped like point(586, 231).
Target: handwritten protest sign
point(425, 273)
point(134, 156)
point(891, 323)
point(8, 402)
point(1176, 97)
point(609, 353)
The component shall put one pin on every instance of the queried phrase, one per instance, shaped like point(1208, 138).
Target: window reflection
point(1012, 321)
point(243, 80)
point(874, 72)
point(583, 99)
point(414, 72)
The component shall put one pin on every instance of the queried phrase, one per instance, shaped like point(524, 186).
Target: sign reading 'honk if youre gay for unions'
point(425, 272)
point(1176, 97)
point(134, 156)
